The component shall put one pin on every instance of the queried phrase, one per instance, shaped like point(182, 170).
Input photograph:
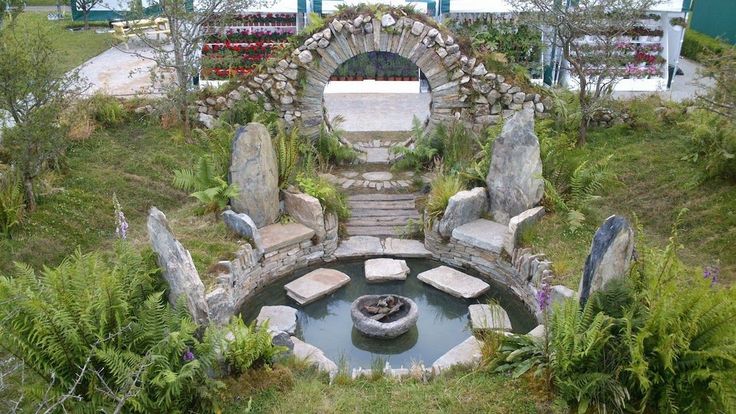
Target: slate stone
point(382, 270)
point(280, 318)
point(243, 226)
point(315, 285)
point(610, 256)
point(454, 282)
point(489, 317)
point(177, 267)
point(467, 353)
point(514, 180)
point(254, 171)
point(462, 208)
point(482, 234)
point(306, 210)
point(520, 223)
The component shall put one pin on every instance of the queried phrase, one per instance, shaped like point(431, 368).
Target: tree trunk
point(582, 133)
point(583, 99)
point(30, 195)
point(86, 20)
point(181, 77)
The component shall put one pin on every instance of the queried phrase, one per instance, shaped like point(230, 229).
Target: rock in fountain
point(384, 316)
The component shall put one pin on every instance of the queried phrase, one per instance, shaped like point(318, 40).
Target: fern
point(250, 346)
point(12, 205)
point(211, 190)
point(287, 154)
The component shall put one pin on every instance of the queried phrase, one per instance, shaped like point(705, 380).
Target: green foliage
point(475, 174)
point(697, 46)
point(12, 206)
point(106, 110)
point(101, 331)
point(518, 354)
point(246, 111)
point(328, 146)
point(444, 186)
point(288, 145)
point(329, 196)
point(209, 188)
point(316, 22)
point(712, 144)
point(421, 155)
point(250, 347)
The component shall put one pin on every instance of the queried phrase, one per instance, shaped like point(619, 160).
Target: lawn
point(74, 47)
point(654, 186)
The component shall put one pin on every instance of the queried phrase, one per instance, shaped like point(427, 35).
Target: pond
point(443, 319)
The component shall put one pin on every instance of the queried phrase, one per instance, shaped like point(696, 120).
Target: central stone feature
point(384, 316)
point(378, 176)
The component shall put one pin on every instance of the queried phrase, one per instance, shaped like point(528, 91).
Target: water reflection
point(443, 319)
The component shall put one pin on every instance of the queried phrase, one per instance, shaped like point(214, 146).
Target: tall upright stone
point(514, 180)
point(610, 256)
point(254, 170)
point(177, 267)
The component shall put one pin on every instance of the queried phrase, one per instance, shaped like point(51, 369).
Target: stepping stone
point(276, 236)
point(467, 353)
point(315, 285)
point(383, 270)
point(350, 174)
point(378, 176)
point(454, 282)
point(483, 234)
point(280, 318)
point(348, 183)
point(358, 246)
point(489, 317)
point(314, 356)
point(405, 248)
point(377, 155)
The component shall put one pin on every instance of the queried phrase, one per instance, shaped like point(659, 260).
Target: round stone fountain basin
point(390, 326)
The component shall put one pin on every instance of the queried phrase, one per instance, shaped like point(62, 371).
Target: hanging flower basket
point(678, 23)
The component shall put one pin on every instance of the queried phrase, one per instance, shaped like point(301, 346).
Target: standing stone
point(462, 208)
point(177, 266)
point(610, 256)
point(243, 226)
point(306, 210)
point(514, 180)
point(253, 169)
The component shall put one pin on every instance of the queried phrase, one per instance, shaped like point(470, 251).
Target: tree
point(86, 6)
point(189, 24)
point(33, 90)
point(588, 33)
point(10, 9)
point(720, 97)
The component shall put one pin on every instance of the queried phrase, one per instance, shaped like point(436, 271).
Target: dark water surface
point(443, 319)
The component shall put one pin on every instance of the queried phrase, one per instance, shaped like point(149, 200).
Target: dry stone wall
point(461, 87)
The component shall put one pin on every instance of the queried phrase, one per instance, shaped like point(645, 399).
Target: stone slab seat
point(454, 282)
point(278, 236)
point(467, 353)
point(315, 285)
point(483, 234)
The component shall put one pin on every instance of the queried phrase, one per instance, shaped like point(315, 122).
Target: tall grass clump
point(328, 147)
point(106, 110)
point(331, 199)
point(443, 187)
point(12, 202)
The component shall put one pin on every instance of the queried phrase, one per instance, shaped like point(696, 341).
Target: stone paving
point(375, 180)
point(377, 151)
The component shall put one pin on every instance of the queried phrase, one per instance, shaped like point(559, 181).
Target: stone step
point(316, 284)
point(382, 197)
point(388, 205)
point(361, 212)
point(380, 221)
point(454, 282)
point(277, 236)
point(483, 234)
point(384, 231)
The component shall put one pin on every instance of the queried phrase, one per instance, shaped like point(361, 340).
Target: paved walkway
point(684, 87)
point(378, 112)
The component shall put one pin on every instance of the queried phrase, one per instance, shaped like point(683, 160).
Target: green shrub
point(250, 347)
point(329, 148)
point(107, 110)
point(444, 186)
point(246, 111)
point(288, 146)
point(421, 155)
point(209, 188)
point(12, 205)
point(697, 46)
point(100, 330)
point(329, 196)
point(712, 144)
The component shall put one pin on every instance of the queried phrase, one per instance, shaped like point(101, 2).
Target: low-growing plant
point(420, 155)
point(209, 188)
point(250, 346)
point(712, 144)
point(329, 148)
point(332, 199)
point(288, 146)
point(106, 110)
point(246, 111)
point(12, 206)
point(444, 186)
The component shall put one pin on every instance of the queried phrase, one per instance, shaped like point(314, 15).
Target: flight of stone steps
point(382, 215)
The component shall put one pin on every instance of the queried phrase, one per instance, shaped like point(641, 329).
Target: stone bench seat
point(482, 234)
point(277, 236)
point(454, 282)
point(315, 285)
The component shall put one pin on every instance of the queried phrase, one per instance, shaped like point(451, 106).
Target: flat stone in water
point(378, 176)
point(316, 284)
point(466, 353)
point(490, 317)
point(280, 318)
point(382, 270)
point(454, 282)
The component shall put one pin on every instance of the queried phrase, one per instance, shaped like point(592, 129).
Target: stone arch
point(461, 87)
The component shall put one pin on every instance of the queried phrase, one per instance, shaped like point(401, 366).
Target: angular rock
point(454, 282)
point(482, 234)
point(280, 318)
point(489, 317)
point(305, 57)
point(207, 120)
point(514, 180)
point(405, 248)
point(387, 20)
point(416, 28)
point(359, 246)
point(243, 226)
point(462, 208)
point(519, 223)
point(307, 210)
point(253, 169)
point(314, 356)
point(282, 339)
point(177, 267)
point(277, 236)
point(467, 353)
point(537, 332)
point(382, 270)
point(610, 256)
point(315, 285)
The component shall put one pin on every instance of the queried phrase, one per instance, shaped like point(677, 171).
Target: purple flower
point(121, 223)
point(188, 356)
point(711, 272)
point(544, 296)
